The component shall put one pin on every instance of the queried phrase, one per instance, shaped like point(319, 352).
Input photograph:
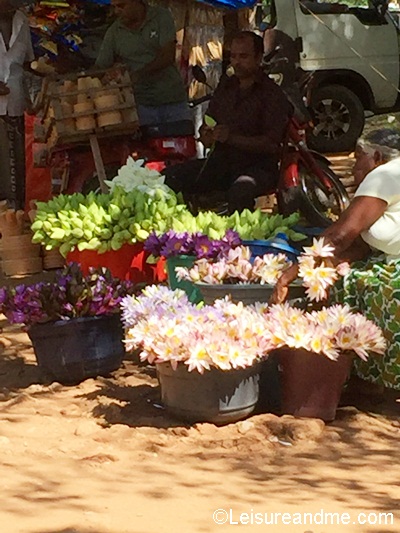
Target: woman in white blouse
point(372, 220)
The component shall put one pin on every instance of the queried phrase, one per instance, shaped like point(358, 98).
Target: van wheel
point(338, 117)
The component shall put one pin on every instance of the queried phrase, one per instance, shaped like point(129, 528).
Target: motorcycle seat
point(180, 128)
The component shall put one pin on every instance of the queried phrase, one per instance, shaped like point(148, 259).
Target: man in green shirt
point(143, 37)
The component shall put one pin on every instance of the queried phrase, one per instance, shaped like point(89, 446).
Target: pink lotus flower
point(229, 336)
point(317, 275)
point(235, 267)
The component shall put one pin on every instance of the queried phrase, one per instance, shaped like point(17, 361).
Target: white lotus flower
point(133, 175)
point(319, 248)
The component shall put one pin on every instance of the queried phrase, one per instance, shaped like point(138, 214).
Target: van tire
point(338, 117)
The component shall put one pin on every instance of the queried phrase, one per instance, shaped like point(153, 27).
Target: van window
point(364, 10)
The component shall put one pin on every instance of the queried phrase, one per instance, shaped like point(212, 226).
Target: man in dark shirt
point(251, 114)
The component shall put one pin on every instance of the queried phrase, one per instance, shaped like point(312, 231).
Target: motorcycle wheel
point(318, 207)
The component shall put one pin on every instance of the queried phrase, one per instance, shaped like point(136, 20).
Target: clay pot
point(312, 383)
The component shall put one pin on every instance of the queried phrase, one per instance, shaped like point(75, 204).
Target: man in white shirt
point(15, 51)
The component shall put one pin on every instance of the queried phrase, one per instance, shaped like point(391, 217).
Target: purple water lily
point(200, 246)
point(72, 295)
point(232, 238)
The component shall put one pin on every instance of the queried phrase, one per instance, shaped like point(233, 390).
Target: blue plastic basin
point(260, 248)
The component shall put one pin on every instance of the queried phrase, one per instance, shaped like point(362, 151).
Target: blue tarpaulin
point(230, 4)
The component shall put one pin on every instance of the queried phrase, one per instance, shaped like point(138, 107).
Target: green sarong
point(373, 289)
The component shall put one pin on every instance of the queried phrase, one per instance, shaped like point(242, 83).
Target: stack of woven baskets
point(18, 254)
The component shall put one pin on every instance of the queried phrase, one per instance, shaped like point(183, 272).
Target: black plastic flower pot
point(80, 348)
point(216, 396)
point(270, 387)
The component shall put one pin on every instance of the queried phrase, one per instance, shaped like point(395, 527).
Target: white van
point(353, 49)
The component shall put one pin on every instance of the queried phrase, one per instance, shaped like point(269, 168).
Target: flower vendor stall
point(191, 345)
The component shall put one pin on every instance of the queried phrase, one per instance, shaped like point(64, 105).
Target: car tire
point(338, 117)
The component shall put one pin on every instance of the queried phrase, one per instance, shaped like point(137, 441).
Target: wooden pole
point(98, 161)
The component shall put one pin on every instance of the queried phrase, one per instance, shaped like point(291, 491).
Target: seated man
point(251, 114)
point(143, 38)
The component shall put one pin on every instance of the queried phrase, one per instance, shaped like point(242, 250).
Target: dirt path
point(102, 457)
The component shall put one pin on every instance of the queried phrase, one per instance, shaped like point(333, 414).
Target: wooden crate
point(61, 94)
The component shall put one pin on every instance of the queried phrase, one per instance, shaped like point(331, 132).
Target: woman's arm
point(344, 235)
point(361, 214)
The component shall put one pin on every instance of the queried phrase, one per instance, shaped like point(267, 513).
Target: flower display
point(71, 295)
point(171, 244)
point(225, 336)
point(317, 270)
point(129, 213)
point(234, 266)
point(167, 327)
point(154, 299)
point(329, 331)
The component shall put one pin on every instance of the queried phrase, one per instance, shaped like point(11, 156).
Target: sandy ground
point(103, 457)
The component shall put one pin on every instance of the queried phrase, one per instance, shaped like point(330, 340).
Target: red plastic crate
point(129, 262)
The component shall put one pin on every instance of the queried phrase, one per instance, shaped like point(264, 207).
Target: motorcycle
point(306, 182)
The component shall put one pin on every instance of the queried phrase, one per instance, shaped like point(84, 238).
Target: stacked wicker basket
point(18, 255)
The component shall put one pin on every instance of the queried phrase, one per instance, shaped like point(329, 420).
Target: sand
point(104, 457)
